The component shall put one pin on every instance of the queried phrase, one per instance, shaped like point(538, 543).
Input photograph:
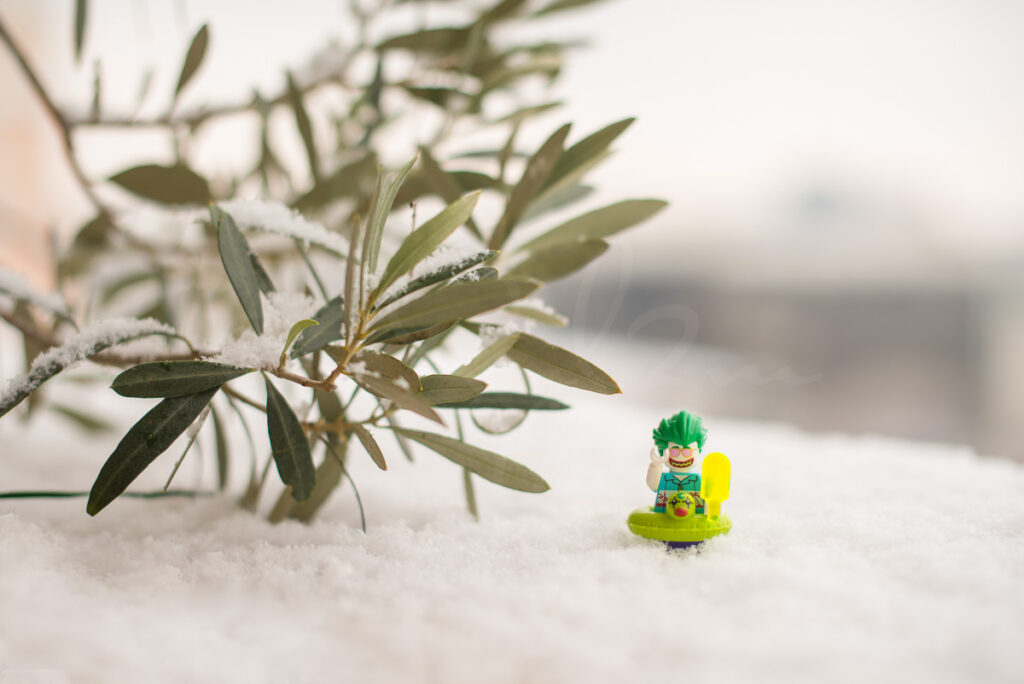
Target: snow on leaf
point(275, 217)
point(15, 287)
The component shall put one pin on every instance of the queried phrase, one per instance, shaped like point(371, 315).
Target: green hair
point(682, 428)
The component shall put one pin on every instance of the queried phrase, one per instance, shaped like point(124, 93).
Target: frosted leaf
point(15, 287)
point(79, 346)
point(275, 217)
point(280, 312)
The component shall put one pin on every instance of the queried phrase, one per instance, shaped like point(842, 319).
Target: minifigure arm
point(654, 470)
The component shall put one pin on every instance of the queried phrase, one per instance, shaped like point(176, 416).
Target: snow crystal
point(441, 258)
point(281, 310)
point(277, 218)
point(13, 285)
point(79, 346)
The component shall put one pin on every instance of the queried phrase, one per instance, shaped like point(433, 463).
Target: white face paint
point(682, 459)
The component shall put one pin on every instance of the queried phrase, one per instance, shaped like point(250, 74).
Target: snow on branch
point(79, 346)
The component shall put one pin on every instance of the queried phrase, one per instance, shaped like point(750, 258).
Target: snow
point(78, 347)
point(281, 310)
point(277, 218)
point(852, 559)
point(13, 285)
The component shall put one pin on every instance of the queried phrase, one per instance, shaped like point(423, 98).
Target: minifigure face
point(680, 456)
point(680, 505)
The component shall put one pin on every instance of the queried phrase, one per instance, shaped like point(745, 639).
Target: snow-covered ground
point(851, 559)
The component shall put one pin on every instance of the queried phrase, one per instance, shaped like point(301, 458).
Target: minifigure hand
point(658, 459)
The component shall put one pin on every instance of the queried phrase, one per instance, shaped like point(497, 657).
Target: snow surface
point(13, 285)
point(277, 218)
point(852, 559)
point(281, 310)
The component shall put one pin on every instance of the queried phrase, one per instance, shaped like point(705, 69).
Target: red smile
point(680, 464)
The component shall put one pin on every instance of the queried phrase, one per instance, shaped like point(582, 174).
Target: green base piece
point(661, 526)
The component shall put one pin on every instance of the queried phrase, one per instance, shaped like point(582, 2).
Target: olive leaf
point(537, 314)
point(558, 261)
point(303, 124)
point(329, 318)
point(533, 179)
point(598, 224)
point(288, 444)
point(143, 442)
point(174, 378)
point(487, 464)
point(452, 303)
point(223, 453)
point(176, 184)
point(429, 40)
point(81, 14)
point(193, 59)
point(426, 239)
point(486, 358)
point(560, 365)
point(370, 444)
point(443, 389)
point(507, 400)
point(237, 259)
point(585, 151)
point(444, 273)
point(295, 331)
point(380, 209)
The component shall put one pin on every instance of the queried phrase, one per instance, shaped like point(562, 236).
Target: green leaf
point(348, 181)
point(598, 224)
point(561, 365)
point(426, 239)
point(174, 378)
point(487, 464)
point(586, 150)
point(328, 477)
point(370, 444)
point(237, 259)
point(386, 388)
point(508, 400)
point(379, 212)
point(85, 421)
point(165, 184)
point(558, 199)
point(288, 444)
point(223, 452)
point(381, 365)
point(539, 315)
point(558, 261)
point(533, 179)
point(294, 332)
point(193, 59)
point(435, 95)
point(330, 318)
point(487, 357)
point(402, 336)
point(452, 303)
point(443, 273)
point(442, 389)
point(81, 14)
point(303, 124)
point(561, 5)
point(430, 40)
point(262, 277)
point(146, 440)
point(501, 11)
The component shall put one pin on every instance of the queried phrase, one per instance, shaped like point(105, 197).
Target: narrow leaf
point(533, 179)
point(165, 184)
point(328, 477)
point(81, 14)
point(386, 388)
point(507, 400)
point(85, 421)
point(288, 444)
point(381, 365)
point(295, 332)
point(370, 444)
point(560, 365)
point(146, 440)
point(174, 378)
point(558, 199)
point(558, 261)
point(426, 239)
point(305, 127)
point(380, 212)
point(443, 389)
point(236, 257)
point(586, 150)
point(540, 315)
point(329, 317)
point(402, 336)
point(443, 273)
point(193, 59)
point(598, 224)
point(487, 464)
point(262, 277)
point(429, 40)
point(223, 453)
point(348, 181)
point(455, 302)
point(487, 357)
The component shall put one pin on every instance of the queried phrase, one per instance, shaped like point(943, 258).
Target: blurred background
point(843, 248)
